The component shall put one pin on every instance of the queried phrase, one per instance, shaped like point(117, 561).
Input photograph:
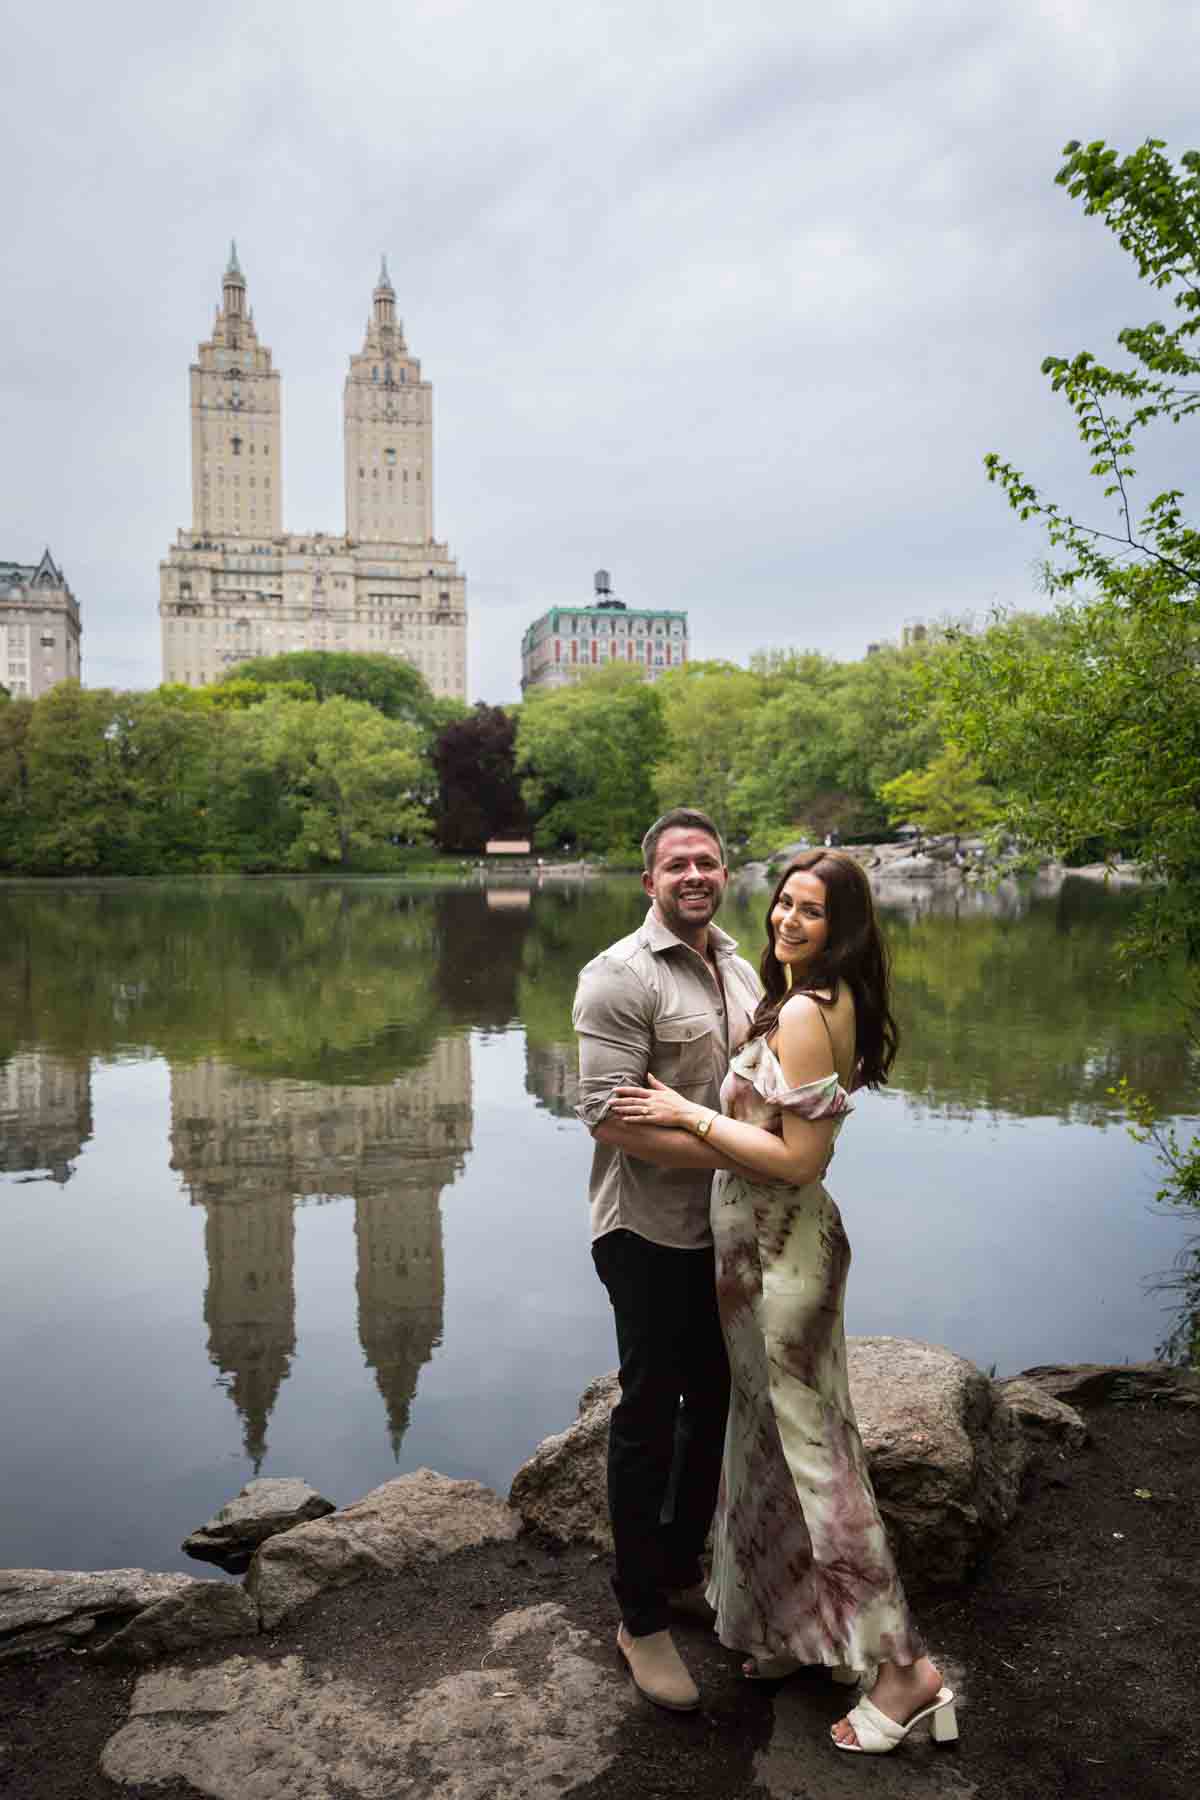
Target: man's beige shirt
point(651, 1005)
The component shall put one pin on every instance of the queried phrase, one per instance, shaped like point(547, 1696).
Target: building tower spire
point(383, 300)
point(234, 285)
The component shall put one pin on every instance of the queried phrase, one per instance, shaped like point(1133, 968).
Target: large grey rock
point(945, 1453)
point(417, 1518)
point(1046, 1423)
point(562, 1488)
point(48, 1609)
point(917, 867)
point(202, 1613)
point(262, 1510)
point(1096, 1384)
point(536, 1714)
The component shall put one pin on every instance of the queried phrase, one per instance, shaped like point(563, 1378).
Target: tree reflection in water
point(317, 1035)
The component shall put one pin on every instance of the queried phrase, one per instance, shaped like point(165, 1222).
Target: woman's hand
point(654, 1105)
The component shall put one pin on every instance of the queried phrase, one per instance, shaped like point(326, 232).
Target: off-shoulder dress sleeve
point(756, 1086)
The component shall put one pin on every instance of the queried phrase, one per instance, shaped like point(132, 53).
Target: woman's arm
point(664, 1147)
point(801, 1154)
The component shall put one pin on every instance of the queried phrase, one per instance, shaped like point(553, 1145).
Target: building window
point(47, 640)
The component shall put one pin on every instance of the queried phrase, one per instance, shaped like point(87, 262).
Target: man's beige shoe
point(658, 1670)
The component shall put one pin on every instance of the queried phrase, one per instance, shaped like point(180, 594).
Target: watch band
point(704, 1126)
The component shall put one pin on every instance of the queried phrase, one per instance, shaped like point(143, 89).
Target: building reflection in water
point(552, 1077)
point(250, 1148)
point(45, 1113)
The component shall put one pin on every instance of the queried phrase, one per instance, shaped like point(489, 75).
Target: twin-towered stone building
point(239, 584)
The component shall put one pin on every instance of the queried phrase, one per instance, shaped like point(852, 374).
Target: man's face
point(687, 881)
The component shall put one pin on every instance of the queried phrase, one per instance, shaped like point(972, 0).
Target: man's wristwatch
point(703, 1126)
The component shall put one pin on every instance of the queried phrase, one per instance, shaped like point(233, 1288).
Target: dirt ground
point(1075, 1638)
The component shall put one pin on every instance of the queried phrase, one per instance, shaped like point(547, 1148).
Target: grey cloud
point(730, 298)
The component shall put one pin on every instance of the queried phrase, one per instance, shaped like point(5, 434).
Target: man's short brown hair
point(686, 818)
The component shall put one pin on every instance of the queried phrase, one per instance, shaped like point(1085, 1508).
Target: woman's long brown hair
point(854, 953)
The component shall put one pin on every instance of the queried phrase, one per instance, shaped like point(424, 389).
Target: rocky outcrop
point(945, 1447)
point(945, 1453)
point(562, 1489)
point(1045, 1422)
point(201, 1613)
point(417, 1518)
point(535, 1713)
point(1097, 1384)
point(262, 1510)
point(52, 1609)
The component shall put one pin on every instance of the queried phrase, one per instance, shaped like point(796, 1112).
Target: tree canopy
point(479, 794)
point(587, 754)
point(394, 687)
point(1093, 733)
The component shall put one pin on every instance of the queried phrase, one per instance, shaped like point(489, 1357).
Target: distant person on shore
point(802, 1569)
point(671, 1000)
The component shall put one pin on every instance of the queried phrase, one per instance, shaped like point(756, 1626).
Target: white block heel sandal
point(877, 1734)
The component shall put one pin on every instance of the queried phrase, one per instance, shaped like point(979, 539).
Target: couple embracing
point(714, 1100)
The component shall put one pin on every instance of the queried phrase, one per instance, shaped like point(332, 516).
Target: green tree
point(1095, 740)
point(587, 754)
point(15, 719)
point(707, 709)
point(946, 796)
point(79, 799)
point(350, 775)
point(387, 683)
point(1098, 743)
point(789, 781)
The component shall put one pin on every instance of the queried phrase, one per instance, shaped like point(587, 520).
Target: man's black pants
point(668, 1428)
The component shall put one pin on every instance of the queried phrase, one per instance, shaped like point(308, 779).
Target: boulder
point(417, 1518)
point(917, 867)
point(201, 1613)
point(1046, 1423)
point(263, 1509)
point(1096, 1384)
point(945, 1452)
point(49, 1609)
point(562, 1489)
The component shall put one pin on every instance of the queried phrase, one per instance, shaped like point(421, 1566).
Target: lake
point(290, 1181)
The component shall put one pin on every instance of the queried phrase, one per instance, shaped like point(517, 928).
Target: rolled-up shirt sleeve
point(613, 1019)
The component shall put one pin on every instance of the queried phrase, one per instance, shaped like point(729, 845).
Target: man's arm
point(665, 1147)
point(614, 1021)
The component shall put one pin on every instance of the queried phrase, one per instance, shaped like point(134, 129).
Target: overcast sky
point(730, 298)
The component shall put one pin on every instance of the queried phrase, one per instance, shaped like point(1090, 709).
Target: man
point(673, 1000)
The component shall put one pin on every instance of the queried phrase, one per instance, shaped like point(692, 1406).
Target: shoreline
point(489, 1672)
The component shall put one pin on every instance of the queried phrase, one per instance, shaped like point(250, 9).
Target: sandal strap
point(873, 1728)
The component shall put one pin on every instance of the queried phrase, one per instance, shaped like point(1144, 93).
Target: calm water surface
point(290, 1181)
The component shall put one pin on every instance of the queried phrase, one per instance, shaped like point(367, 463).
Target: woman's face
point(799, 927)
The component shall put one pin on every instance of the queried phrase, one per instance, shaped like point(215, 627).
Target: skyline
point(729, 301)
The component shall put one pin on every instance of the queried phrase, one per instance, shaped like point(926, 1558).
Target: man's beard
point(680, 922)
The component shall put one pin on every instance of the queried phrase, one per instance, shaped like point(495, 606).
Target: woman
point(802, 1571)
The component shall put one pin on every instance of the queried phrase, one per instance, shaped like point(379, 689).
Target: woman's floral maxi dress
point(801, 1563)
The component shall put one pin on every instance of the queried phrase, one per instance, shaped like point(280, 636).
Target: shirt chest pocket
point(683, 1051)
